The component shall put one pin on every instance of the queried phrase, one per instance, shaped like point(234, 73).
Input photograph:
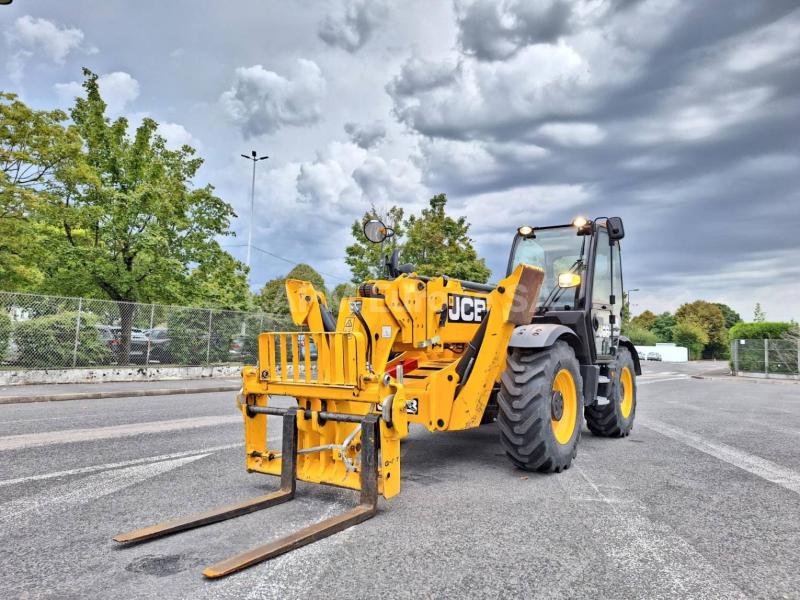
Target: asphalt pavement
point(701, 501)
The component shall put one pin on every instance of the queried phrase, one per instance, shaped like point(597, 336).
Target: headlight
point(568, 280)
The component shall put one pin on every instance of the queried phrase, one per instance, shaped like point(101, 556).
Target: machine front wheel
point(615, 419)
point(541, 407)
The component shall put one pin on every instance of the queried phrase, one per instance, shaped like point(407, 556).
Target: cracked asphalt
point(701, 501)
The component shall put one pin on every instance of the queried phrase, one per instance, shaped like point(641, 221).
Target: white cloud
point(118, 89)
point(496, 215)
point(29, 36)
point(767, 46)
point(696, 118)
point(475, 97)
point(572, 134)
point(262, 101)
point(352, 23)
point(177, 136)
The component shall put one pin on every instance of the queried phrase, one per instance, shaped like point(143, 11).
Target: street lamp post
point(255, 158)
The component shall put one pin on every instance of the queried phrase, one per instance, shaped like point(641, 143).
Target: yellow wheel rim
point(563, 421)
point(626, 402)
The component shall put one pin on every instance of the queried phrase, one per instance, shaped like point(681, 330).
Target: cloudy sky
point(681, 117)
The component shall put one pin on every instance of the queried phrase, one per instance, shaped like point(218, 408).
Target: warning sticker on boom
point(465, 309)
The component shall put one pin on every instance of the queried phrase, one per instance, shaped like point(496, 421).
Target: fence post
point(149, 335)
point(735, 357)
point(208, 345)
point(766, 357)
point(77, 334)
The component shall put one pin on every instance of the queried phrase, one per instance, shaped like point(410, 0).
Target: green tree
point(439, 245)
point(641, 336)
point(272, 298)
point(662, 327)
point(759, 316)
point(366, 259)
point(626, 312)
point(710, 319)
point(691, 336)
point(123, 219)
point(435, 243)
point(646, 320)
point(343, 290)
point(731, 316)
point(34, 146)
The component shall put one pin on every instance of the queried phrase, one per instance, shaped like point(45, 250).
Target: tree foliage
point(343, 290)
point(759, 316)
point(772, 330)
point(709, 318)
point(731, 316)
point(645, 320)
point(662, 326)
point(34, 147)
point(366, 259)
point(641, 336)
point(691, 336)
point(434, 242)
point(439, 245)
point(101, 213)
point(272, 298)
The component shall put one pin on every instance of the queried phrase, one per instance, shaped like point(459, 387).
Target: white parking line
point(127, 463)
point(628, 538)
point(639, 382)
point(87, 489)
point(761, 467)
point(31, 440)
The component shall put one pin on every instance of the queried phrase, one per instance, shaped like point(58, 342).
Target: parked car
point(236, 350)
point(159, 345)
point(653, 356)
point(112, 336)
point(301, 340)
point(642, 356)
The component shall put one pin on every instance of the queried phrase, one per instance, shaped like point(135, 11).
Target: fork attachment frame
point(366, 508)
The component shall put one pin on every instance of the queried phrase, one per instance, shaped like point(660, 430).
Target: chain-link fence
point(767, 357)
point(49, 332)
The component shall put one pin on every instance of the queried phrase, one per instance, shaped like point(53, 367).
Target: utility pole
point(255, 158)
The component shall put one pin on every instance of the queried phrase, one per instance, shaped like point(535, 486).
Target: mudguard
point(637, 365)
point(539, 335)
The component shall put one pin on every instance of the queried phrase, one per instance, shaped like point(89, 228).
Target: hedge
point(49, 342)
point(759, 331)
point(641, 336)
point(5, 333)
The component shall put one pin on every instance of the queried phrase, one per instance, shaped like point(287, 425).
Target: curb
point(116, 394)
point(744, 379)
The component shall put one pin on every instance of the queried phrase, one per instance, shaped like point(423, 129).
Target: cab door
point(603, 316)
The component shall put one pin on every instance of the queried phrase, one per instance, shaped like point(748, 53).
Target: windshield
point(555, 251)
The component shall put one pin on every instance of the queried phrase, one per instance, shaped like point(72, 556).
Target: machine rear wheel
point(615, 419)
point(540, 407)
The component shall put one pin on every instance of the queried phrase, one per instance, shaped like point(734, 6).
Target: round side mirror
point(376, 231)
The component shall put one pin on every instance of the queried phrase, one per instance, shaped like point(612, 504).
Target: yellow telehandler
point(537, 352)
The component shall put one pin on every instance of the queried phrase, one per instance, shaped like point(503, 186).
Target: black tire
point(526, 416)
point(610, 420)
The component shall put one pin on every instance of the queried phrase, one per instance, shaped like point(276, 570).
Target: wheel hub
point(557, 406)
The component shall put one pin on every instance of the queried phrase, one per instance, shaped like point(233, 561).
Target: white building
point(669, 352)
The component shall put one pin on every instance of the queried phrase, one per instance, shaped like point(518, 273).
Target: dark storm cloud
point(683, 120)
point(495, 30)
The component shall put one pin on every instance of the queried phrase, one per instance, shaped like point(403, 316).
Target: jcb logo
point(465, 309)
